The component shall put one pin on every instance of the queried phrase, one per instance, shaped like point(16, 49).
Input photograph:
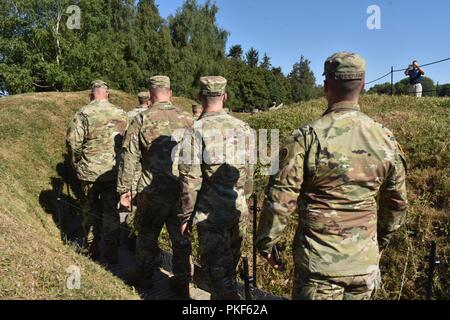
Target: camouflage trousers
point(100, 213)
point(220, 252)
point(152, 214)
point(129, 220)
point(309, 286)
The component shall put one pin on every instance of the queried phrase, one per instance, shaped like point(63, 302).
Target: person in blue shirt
point(415, 73)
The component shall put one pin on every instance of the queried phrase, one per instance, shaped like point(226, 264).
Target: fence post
point(437, 89)
point(433, 261)
point(392, 81)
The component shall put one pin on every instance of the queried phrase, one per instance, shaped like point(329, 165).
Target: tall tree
point(302, 81)
point(236, 52)
point(200, 43)
point(265, 62)
point(252, 58)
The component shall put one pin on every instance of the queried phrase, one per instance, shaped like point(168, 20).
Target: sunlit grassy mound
point(33, 259)
point(422, 128)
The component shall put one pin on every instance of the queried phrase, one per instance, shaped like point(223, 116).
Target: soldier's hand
point(271, 260)
point(185, 230)
point(125, 200)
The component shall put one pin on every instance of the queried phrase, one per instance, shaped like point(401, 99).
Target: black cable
point(425, 65)
point(398, 70)
point(387, 74)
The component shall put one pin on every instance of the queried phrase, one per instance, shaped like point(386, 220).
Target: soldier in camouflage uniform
point(197, 111)
point(216, 186)
point(94, 140)
point(346, 175)
point(144, 104)
point(151, 140)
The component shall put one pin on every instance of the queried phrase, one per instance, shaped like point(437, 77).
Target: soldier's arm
point(131, 155)
point(393, 201)
point(75, 137)
point(283, 190)
point(190, 174)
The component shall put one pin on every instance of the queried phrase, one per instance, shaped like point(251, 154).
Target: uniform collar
point(164, 105)
point(340, 106)
point(213, 114)
point(97, 101)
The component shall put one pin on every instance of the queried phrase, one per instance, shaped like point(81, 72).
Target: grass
point(34, 260)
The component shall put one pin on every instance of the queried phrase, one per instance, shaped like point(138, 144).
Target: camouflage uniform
point(334, 171)
point(94, 140)
point(150, 140)
point(131, 117)
point(215, 190)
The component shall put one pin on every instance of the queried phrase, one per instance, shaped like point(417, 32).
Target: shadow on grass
point(62, 203)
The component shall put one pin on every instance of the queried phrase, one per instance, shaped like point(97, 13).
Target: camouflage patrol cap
point(99, 84)
point(159, 82)
point(213, 86)
point(345, 66)
point(144, 95)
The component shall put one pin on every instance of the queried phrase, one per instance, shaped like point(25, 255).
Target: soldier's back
point(105, 125)
point(161, 129)
point(345, 170)
point(225, 168)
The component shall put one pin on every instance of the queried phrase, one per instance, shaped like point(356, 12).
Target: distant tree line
point(429, 87)
point(125, 42)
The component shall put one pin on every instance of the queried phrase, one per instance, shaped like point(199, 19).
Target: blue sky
point(286, 29)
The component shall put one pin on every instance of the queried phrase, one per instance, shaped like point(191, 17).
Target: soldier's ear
point(363, 84)
point(225, 98)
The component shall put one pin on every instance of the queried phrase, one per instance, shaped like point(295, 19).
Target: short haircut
point(345, 89)
point(95, 89)
point(159, 90)
point(212, 99)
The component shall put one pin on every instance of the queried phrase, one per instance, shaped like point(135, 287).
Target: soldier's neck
point(213, 108)
point(332, 102)
point(161, 101)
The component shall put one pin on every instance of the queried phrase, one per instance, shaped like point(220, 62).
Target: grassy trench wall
point(33, 259)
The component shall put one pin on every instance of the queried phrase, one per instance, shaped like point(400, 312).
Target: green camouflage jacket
point(216, 186)
point(135, 112)
point(151, 140)
point(138, 170)
point(346, 175)
point(94, 140)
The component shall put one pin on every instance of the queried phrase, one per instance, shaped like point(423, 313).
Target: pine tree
point(252, 58)
point(302, 81)
point(236, 52)
point(265, 63)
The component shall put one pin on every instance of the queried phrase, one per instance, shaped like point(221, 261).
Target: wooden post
point(392, 81)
